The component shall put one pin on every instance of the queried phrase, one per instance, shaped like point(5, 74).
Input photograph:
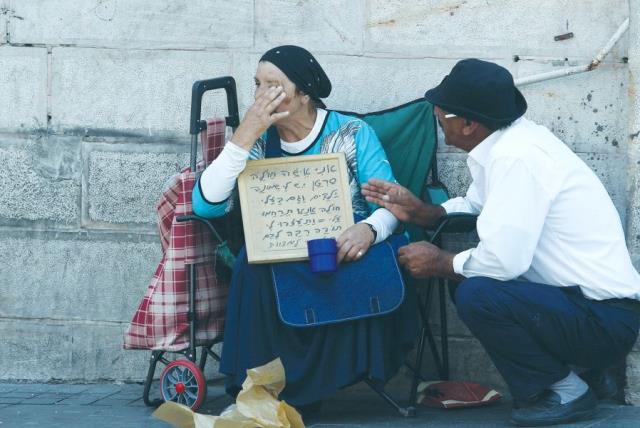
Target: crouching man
point(550, 284)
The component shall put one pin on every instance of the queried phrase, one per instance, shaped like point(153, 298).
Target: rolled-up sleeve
point(211, 194)
point(458, 205)
point(470, 203)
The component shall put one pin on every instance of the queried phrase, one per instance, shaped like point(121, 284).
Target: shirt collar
point(302, 145)
point(481, 152)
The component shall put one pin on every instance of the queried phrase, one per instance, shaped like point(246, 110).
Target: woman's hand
point(354, 242)
point(260, 116)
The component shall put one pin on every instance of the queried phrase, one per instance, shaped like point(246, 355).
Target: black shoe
point(603, 383)
point(548, 410)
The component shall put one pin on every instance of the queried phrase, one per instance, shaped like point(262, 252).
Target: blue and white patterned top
point(340, 133)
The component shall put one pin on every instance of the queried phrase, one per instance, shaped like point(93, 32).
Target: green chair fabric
point(408, 136)
point(437, 194)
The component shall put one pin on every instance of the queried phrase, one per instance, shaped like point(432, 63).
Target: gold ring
point(359, 254)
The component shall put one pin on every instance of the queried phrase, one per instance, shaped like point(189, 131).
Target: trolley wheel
point(183, 382)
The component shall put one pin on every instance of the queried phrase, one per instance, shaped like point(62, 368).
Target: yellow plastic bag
point(257, 405)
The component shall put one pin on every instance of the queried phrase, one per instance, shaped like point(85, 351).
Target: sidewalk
point(111, 405)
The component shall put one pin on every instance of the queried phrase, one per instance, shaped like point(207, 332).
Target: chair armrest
point(454, 223)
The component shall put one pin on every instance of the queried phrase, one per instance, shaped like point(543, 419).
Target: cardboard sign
point(287, 201)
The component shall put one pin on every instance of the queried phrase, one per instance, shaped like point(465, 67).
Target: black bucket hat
point(480, 91)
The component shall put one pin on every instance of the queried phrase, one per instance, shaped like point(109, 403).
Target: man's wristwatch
point(374, 231)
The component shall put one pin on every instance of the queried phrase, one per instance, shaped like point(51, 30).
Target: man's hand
point(260, 116)
point(401, 202)
point(354, 242)
point(425, 260)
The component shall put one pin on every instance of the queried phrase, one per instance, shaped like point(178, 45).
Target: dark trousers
point(533, 332)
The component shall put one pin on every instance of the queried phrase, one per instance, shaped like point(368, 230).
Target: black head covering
point(302, 69)
point(481, 91)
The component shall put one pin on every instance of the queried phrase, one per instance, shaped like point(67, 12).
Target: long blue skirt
point(318, 361)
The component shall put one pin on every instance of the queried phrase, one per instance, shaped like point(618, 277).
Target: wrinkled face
point(268, 75)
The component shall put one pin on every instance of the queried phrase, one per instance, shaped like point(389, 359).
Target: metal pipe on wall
point(579, 68)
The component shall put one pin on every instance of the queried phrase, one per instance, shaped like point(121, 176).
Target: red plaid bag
point(161, 323)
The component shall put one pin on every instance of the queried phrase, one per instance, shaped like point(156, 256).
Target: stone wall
point(95, 98)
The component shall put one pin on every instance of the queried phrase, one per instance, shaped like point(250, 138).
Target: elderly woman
point(318, 360)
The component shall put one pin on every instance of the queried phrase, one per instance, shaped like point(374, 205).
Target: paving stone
point(18, 394)
point(106, 389)
point(51, 388)
point(35, 388)
point(45, 399)
point(112, 401)
point(215, 390)
point(356, 406)
point(137, 403)
point(7, 387)
point(7, 400)
point(133, 388)
point(80, 399)
point(54, 416)
point(127, 395)
point(69, 388)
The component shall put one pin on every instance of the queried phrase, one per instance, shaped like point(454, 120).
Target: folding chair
point(408, 134)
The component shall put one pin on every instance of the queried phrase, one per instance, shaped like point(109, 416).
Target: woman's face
point(268, 75)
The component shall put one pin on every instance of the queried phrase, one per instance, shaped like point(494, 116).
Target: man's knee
point(472, 296)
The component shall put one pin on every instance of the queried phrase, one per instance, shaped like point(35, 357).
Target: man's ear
point(469, 127)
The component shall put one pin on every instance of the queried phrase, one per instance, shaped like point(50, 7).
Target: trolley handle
point(199, 88)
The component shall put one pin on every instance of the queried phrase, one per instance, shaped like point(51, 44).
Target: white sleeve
point(458, 205)
point(509, 225)
point(219, 179)
point(383, 222)
point(470, 203)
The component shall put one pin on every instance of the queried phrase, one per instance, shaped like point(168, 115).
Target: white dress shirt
point(544, 216)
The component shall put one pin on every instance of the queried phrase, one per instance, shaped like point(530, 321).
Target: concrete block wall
point(94, 112)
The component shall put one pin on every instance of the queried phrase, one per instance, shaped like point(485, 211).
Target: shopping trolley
point(183, 308)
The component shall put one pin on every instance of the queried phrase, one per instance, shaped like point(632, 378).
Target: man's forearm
point(428, 215)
